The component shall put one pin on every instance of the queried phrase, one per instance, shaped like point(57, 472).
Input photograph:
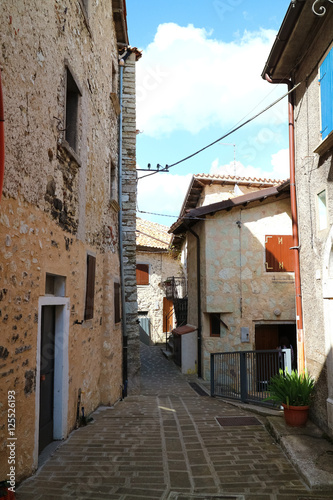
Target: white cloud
point(162, 194)
point(279, 168)
point(187, 80)
point(280, 163)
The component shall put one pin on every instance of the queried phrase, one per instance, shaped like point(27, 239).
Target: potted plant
point(293, 391)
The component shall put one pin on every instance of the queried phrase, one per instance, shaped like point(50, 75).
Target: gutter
point(282, 38)
point(2, 140)
point(296, 247)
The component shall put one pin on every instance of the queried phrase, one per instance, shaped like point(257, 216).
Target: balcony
point(175, 288)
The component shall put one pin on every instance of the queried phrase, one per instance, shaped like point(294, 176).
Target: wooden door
point(267, 364)
point(267, 337)
point(46, 377)
point(167, 315)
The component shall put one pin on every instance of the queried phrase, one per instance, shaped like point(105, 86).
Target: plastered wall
point(313, 175)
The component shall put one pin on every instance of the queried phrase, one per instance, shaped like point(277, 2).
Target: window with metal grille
point(90, 287)
point(142, 274)
point(117, 314)
point(326, 94)
point(279, 258)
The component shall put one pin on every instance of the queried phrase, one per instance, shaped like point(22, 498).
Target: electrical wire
point(173, 216)
point(224, 136)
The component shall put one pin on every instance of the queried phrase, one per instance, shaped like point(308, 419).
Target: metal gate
point(244, 375)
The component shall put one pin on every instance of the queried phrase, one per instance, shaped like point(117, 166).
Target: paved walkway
point(167, 444)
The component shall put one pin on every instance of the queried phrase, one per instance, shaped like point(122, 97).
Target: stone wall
point(56, 209)
point(162, 265)
point(129, 225)
point(234, 280)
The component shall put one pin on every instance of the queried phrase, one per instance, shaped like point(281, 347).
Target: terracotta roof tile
point(152, 235)
point(234, 178)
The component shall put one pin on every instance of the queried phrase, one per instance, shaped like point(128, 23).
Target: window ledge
point(325, 145)
point(64, 145)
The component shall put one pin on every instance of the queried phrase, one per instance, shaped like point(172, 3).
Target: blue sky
point(199, 77)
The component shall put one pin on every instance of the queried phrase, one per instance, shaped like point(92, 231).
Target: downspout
point(293, 201)
point(198, 300)
point(2, 140)
point(120, 222)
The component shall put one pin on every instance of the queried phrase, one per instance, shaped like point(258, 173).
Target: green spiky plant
point(291, 389)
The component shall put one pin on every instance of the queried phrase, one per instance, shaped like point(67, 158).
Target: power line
point(173, 216)
point(224, 136)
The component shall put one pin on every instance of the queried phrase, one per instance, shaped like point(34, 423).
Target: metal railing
point(244, 375)
point(168, 333)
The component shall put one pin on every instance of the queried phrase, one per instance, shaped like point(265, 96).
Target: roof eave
point(182, 225)
point(120, 20)
point(298, 27)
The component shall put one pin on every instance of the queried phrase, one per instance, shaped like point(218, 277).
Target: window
point(142, 274)
point(55, 285)
point(117, 315)
point(215, 325)
point(322, 210)
point(90, 287)
point(113, 182)
point(279, 258)
point(326, 94)
point(73, 95)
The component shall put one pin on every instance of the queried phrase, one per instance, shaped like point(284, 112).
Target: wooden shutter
point(326, 94)
point(117, 315)
point(90, 287)
point(142, 274)
point(279, 257)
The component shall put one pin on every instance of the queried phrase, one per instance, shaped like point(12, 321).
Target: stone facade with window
point(155, 263)
point(306, 58)
point(59, 234)
point(246, 280)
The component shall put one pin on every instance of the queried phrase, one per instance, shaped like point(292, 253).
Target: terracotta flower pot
point(296, 416)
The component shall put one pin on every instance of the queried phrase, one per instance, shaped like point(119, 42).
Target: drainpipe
point(2, 140)
point(198, 300)
point(293, 200)
point(120, 221)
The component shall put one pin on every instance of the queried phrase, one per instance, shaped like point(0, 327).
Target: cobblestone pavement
point(167, 444)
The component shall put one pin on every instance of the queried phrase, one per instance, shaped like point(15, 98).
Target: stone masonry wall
point(150, 297)
point(56, 208)
point(129, 224)
point(234, 279)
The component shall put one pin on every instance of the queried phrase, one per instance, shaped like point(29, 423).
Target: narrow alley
point(170, 442)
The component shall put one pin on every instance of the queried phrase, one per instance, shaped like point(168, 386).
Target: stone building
point(61, 345)
point(302, 56)
point(155, 264)
point(241, 291)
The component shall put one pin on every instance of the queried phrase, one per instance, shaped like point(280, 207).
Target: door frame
point(60, 412)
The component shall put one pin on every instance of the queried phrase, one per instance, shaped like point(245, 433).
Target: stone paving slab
point(166, 444)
